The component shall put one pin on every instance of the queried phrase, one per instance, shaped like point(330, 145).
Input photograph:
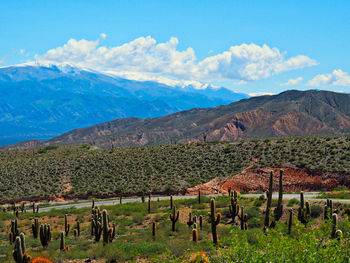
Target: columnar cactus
point(66, 225)
point(199, 196)
point(269, 200)
point(290, 221)
point(171, 202)
point(13, 231)
point(334, 225)
point(195, 235)
point(45, 235)
point(149, 205)
point(93, 204)
point(200, 222)
point(77, 230)
point(215, 220)
point(35, 228)
point(62, 243)
point(279, 209)
point(234, 194)
point(120, 199)
point(174, 217)
point(304, 211)
point(229, 191)
point(244, 219)
point(190, 220)
point(154, 229)
point(19, 252)
point(142, 198)
point(234, 209)
point(328, 209)
point(108, 232)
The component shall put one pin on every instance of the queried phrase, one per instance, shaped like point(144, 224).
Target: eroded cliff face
point(294, 179)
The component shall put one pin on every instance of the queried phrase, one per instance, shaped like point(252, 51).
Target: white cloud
point(147, 57)
point(103, 35)
point(254, 94)
point(241, 82)
point(292, 82)
point(3, 59)
point(21, 51)
point(336, 78)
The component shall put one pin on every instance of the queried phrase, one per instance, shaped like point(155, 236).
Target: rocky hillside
point(291, 113)
point(82, 171)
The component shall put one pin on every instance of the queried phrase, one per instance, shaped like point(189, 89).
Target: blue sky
point(217, 42)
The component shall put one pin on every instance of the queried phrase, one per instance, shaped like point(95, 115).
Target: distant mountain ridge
point(43, 101)
point(290, 113)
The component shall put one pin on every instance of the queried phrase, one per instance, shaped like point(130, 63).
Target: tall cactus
point(215, 220)
point(62, 243)
point(174, 217)
point(290, 221)
point(334, 226)
point(149, 205)
point(35, 228)
point(13, 231)
point(45, 235)
point(244, 219)
point(66, 225)
point(190, 220)
point(108, 232)
point(304, 211)
point(328, 209)
point(200, 222)
point(234, 209)
point(19, 252)
point(171, 202)
point(195, 235)
point(199, 196)
point(279, 209)
point(269, 200)
point(154, 229)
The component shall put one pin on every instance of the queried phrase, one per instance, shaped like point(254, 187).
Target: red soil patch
point(294, 179)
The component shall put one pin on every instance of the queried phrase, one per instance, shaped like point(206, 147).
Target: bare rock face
point(294, 179)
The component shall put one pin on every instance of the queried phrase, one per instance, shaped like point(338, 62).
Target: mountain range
point(42, 101)
point(290, 113)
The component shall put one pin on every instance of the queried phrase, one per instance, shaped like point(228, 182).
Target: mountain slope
point(43, 101)
point(291, 113)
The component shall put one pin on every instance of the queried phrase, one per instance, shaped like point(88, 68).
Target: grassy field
point(309, 242)
point(84, 170)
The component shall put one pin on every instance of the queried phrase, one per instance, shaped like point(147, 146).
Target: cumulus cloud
point(336, 78)
point(147, 57)
point(292, 82)
point(103, 35)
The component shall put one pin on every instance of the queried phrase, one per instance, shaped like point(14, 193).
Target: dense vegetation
point(308, 241)
point(85, 170)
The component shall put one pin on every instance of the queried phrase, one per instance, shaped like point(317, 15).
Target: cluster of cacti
point(244, 219)
point(269, 201)
point(214, 220)
point(234, 209)
point(336, 233)
point(45, 235)
point(62, 244)
point(174, 217)
point(35, 208)
point(35, 227)
point(19, 252)
point(96, 223)
point(108, 231)
point(279, 209)
point(66, 225)
point(328, 209)
point(304, 210)
point(13, 231)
